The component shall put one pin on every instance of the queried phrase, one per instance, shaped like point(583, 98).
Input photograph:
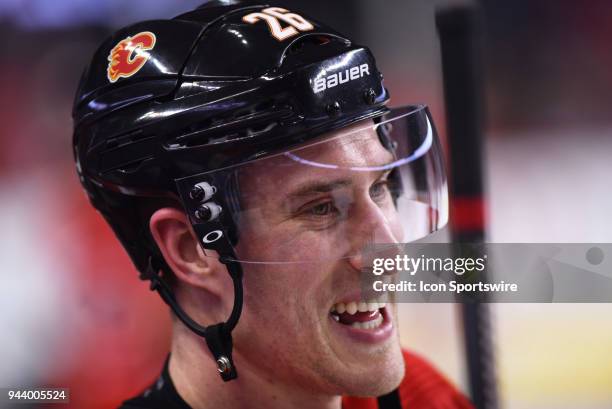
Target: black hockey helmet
point(159, 96)
point(168, 110)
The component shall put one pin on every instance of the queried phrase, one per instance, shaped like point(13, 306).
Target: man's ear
point(179, 245)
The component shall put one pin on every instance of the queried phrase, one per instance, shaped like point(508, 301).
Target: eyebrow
point(325, 187)
point(319, 187)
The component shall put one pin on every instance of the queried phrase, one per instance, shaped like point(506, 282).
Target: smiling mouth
point(367, 315)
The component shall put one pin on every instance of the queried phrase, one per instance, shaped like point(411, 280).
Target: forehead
point(334, 154)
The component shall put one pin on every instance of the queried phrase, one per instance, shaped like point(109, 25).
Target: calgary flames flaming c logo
point(129, 55)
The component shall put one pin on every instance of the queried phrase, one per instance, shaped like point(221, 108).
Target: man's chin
point(377, 380)
point(373, 363)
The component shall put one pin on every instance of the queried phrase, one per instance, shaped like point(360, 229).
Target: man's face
point(310, 222)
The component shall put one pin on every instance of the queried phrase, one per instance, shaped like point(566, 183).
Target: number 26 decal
point(272, 15)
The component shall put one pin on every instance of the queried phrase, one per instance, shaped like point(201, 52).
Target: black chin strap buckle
point(219, 341)
point(219, 336)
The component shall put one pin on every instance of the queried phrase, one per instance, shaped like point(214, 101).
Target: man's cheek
point(271, 297)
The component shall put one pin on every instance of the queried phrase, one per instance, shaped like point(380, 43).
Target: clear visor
point(378, 181)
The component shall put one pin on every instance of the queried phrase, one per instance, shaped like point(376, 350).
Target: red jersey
point(423, 387)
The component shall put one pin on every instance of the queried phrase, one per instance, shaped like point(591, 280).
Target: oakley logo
point(212, 236)
point(342, 77)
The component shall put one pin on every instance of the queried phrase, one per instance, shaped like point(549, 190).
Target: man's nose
point(370, 226)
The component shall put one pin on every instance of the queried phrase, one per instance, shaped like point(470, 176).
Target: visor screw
point(202, 191)
point(224, 365)
point(333, 109)
point(203, 213)
point(208, 211)
point(196, 193)
point(369, 96)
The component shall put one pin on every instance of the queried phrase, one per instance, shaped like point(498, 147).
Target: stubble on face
point(286, 329)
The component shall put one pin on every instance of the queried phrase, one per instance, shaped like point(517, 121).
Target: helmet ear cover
point(129, 218)
point(153, 267)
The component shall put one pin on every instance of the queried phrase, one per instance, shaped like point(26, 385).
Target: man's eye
point(322, 209)
point(319, 216)
point(379, 189)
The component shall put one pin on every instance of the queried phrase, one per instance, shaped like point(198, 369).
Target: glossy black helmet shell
point(211, 89)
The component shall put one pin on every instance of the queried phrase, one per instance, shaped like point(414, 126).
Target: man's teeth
point(354, 307)
point(375, 323)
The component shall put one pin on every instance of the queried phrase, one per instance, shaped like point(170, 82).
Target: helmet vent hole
point(204, 124)
point(131, 167)
point(247, 122)
point(124, 139)
point(254, 109)
point(257, 129)
point(265, 105)
point(306, 42)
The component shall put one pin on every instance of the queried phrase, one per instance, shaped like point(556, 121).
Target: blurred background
point(74, 313)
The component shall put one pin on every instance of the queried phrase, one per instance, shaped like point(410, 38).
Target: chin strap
point(219, 336)
point(390, 400)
